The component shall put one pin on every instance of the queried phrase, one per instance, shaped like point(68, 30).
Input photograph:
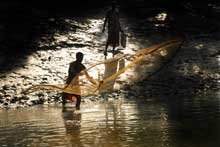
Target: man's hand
point(100, 83)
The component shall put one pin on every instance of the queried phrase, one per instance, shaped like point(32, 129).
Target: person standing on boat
point(114, 27)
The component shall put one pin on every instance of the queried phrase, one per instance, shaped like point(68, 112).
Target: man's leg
point(105, 51)
point(78, 102)
point(113, 50)
point(64, 96)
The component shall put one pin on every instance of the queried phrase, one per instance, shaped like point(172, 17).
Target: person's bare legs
point(78, 102)
point(64, 95)
point(113, 50)
point(105, 51)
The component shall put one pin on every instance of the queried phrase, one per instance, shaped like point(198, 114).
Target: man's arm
point(89, 77)
point(84, 72)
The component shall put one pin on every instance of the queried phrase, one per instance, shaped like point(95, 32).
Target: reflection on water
point(185, 122)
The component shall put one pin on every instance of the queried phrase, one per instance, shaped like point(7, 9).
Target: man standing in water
point(114, 28)
point(74, 71)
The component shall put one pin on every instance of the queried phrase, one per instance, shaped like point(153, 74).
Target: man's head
point(79, 56)
point(113, 5)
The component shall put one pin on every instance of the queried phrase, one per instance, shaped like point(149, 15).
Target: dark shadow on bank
point(21, 26)
point(24, 24)
point(167, 80)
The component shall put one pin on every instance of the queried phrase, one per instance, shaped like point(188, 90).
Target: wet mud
point(40, 54)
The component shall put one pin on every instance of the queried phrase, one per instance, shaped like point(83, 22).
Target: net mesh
point(102, 75)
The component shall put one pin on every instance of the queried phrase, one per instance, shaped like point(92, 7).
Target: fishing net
point(100, 77)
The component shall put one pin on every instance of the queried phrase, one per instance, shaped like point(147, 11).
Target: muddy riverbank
point(192, 70)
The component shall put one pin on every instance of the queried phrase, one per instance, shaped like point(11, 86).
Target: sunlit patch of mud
point(160, 20)
point(49, 65)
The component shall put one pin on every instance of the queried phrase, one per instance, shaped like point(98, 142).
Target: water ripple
point(128, 123)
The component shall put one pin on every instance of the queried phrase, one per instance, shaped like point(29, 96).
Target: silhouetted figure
point(114, 27)
point(74, 72)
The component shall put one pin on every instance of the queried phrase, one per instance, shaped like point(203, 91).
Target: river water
point(185, 122)
point(146, 117)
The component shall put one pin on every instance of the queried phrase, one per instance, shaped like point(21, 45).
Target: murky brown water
point(179, 122)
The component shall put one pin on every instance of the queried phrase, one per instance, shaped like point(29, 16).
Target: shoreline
point(194, 69)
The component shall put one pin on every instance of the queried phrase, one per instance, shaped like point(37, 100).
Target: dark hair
point(113, 4)
point(79, 56)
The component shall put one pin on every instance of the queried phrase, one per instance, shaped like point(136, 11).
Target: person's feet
point(105, 53)
point(113, 53)
point(63, 103)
